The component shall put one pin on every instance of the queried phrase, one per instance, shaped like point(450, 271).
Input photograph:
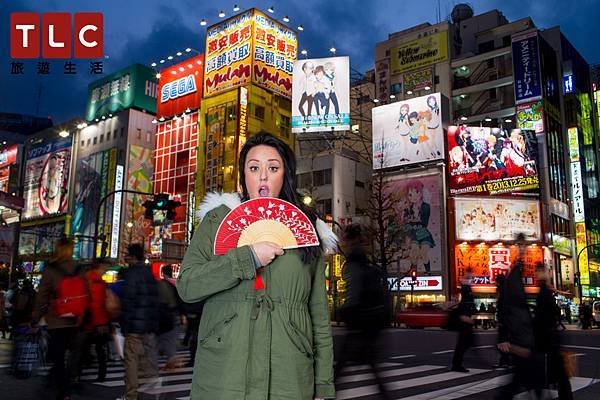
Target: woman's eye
point(273, 169)
point(253, 168)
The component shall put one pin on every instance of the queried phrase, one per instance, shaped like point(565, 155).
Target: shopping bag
point(119, 341)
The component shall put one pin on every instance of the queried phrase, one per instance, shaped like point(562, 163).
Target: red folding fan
point(265, 219)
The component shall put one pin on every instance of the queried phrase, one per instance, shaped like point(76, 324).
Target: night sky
point(148, 30)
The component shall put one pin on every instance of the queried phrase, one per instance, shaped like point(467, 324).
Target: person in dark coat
point(365, 308)
point(466, 309)
point(139, 320)
point(547, 341)
point(515, 333)
point(504, 360)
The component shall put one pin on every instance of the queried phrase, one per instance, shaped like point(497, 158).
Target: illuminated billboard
point(46, 183)
point(180, 87)
point(494, 219)
point(250, 47)
point(409, 131)
point(491, 160)
point(321, 95)
point(419, 53)
point(485, 262)
point(526, 67)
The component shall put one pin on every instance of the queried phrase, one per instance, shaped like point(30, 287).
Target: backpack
point(72, 297)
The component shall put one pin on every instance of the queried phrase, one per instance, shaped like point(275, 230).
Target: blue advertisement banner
point(526, 66)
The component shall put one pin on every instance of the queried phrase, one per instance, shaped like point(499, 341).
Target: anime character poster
point(46, 184)
point(321, 95)
point(417, 226)
point(492, 161)
point(497, 219)
point(408, 132)
point(95, 178)
point(140, 179)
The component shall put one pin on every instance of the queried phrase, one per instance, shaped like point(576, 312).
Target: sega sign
point(180, 87)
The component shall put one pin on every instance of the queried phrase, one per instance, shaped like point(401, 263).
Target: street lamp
point(63, 134)
point(130, 224)
point(307, 200)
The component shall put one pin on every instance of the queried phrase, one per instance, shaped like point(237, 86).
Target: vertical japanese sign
point(116, 217)
point(578, 207)
point(228, 54)
point(139, 179)
point(526, 66)
point(275, 50)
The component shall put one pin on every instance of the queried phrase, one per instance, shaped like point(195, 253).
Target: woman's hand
point(266, 252)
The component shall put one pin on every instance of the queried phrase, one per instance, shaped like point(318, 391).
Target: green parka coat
point(271, 344)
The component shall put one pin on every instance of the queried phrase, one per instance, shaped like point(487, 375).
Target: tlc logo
point(56, 36)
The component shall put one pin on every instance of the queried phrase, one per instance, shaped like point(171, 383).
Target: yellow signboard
point(250, 47)
point(582, 261)
point(275, 50)
point(419, 53)
point(228, 54)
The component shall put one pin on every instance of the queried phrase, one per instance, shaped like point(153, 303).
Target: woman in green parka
point(269, 343)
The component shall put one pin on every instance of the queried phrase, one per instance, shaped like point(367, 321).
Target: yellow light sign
point(250, 47)
point(419, 53)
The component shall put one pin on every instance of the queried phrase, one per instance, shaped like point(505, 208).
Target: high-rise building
point(247, 89)
point(113, 152)
point(520, 102)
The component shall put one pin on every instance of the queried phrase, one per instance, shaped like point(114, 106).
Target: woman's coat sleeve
point(322, 336)
point(203, 274)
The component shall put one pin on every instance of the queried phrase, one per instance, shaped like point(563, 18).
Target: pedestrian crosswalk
point(400, 376)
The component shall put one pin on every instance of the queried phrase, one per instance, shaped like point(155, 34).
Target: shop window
point(102, 138)
point(259, 112)
point(304, 180)
point(108, 136)
point(95, 140)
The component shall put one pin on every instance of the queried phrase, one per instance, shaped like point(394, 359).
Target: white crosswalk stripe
point(406, 382)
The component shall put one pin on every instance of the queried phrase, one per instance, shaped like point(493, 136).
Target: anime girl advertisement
point(492, 160)
point(321, 95)
point(408, 132)
point(416, 228)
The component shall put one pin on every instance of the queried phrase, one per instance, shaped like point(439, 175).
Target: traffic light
point(576, 279)
point(161, 202)
point(413, 274)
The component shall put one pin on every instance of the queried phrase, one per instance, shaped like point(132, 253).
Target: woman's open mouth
point(263, 191)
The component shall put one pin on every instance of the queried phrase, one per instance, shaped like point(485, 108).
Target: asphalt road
point(412, 365)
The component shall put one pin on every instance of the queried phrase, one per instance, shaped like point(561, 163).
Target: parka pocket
point(300, 340)
point(215, 336)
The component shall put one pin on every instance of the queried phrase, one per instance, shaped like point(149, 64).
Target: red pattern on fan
point(292, 225)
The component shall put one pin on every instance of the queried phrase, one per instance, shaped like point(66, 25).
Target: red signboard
point(8, 155)
point(486, 262)
point(180, 87)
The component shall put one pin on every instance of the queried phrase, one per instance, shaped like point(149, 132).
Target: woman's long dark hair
point(288, 190)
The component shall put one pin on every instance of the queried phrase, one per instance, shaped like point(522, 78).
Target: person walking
point(169, 319)
point(272, 340)
point(504, 358)
point(97, 327)
point(139, 321)
point(547, 341)
point(365, 308)
point(62, 302)
point(466, 309)
point(515, 333)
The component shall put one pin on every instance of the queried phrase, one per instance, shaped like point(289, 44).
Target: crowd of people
point(75, 318)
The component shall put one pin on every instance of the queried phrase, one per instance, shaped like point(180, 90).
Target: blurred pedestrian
point(193, 313)
point(504, 359)
point(466, 309)
point(364, 310)
point(587, 316)
point(139, 321)
point(515, 334)
point(3, 318)
point(23, 301)
point(62, 302)
point(169, 318)
point(97, 326)
point(568, 314)
point(549, 362)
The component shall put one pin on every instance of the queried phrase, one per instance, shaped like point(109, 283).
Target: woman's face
point(264, 172)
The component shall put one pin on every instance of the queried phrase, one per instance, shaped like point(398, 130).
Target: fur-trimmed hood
point(212, 200)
